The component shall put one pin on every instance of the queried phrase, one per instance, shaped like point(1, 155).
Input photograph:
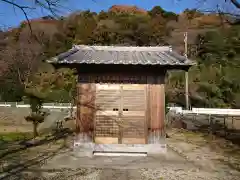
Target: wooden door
point(121, 114)
point(133, 115)
point(106, 121)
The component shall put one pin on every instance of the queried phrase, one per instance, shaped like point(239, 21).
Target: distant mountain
point(127, 9)
point(44, 19)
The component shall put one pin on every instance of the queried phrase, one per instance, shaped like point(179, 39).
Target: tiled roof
point(159, 55)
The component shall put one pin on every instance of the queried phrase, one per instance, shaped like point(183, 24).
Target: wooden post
point(157, 111)
point(78, 109)
point(186, 90)
point(85, 108)
point(186, 72)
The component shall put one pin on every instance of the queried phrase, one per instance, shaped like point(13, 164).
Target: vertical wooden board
point(134, 114)
point(148, 110)
point(78, 110)
point(86, 107)
point(108, 105)
point(156, 108)
point(107, 97)
point(106, 126)
point(106, 140)
point(134, 98)
point(146, 122)
point(133, 140)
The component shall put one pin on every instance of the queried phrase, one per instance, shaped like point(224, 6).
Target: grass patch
point(190, 134)
point(15, 136)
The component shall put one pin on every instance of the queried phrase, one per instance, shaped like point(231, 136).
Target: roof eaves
point(175, 59)
point(62, 57)
point(123, 48)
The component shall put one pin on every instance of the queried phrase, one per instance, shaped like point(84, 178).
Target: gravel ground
point(62, 167)
point(132, 174)
point(205, 162)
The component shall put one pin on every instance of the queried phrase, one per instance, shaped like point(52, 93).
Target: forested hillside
point(214, 43)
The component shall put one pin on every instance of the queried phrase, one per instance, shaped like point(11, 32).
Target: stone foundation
point(88, 149)
point(84, 146)
point(83, 138)
point(156, 137)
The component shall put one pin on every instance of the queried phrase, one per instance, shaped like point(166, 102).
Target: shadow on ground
point(13, 161)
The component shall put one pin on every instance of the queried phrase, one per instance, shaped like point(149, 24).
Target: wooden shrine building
point(121, 96)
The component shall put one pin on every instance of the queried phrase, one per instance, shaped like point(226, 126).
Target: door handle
point(125, 109)
point(115, 109)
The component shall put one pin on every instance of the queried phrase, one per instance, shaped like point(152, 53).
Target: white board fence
point(46, 105)
point(179, 110)
point(208, 111)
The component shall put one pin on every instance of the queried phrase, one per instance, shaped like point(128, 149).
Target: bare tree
point(23, 58)
point(226, 7)
point(236, 3)
point(54, 7)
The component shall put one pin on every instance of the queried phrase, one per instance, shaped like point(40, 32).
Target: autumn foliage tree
point(39, 87)
point(213, 82)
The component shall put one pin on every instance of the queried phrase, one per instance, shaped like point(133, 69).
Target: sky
point(11, 17)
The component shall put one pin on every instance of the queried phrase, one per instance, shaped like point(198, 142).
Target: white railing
point(208, 111)
point(5, 105)
point(216, 111)
point(179, 110)
point(46, 105)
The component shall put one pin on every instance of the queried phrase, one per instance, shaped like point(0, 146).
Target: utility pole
point(186, 72)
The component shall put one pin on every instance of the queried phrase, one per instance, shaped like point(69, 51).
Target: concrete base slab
point(156, 149)
point(69, 159)
point(83, 149)
point(88, 149)
point(120, 154)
